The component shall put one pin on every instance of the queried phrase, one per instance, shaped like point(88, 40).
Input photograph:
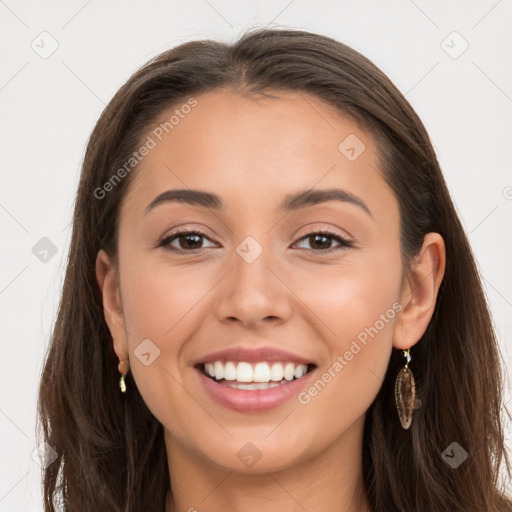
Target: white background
point(49, 107)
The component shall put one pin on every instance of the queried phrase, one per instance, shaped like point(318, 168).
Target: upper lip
point(261, 354)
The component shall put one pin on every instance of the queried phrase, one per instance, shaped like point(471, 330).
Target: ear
point(419, 292)
point(108, 281)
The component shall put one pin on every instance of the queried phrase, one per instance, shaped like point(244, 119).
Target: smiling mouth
point(253, 376)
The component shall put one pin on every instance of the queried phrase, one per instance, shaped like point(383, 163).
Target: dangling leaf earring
point(123, 368)
point(405, 393)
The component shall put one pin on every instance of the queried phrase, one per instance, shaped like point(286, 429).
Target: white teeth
point(276, 372)
point(219, 370)
point(244, 372)
point(230, 371)
point(210, 369)
point(259, 373)
point(252, 386)
point(289, 371)
point(300, 370)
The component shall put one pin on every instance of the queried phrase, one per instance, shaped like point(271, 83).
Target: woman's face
point(255, 278)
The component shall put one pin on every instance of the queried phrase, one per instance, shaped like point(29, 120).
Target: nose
point(253, 292)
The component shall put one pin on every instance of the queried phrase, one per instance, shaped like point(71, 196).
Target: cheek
point(161, 305)
point(160, 299)
point(340, 301)
point(359, 312)
point(355, 309)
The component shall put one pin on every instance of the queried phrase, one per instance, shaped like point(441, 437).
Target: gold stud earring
point(123, 368)
point(405, 393)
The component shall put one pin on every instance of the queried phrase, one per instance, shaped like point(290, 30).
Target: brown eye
point(187, 241)
point(321, 241)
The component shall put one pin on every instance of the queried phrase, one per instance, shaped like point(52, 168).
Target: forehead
point(249, 147)
point(294, 123)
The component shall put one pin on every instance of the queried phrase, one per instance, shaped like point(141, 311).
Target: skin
point(252, 152)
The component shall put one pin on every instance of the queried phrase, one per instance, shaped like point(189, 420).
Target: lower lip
point(257, 400)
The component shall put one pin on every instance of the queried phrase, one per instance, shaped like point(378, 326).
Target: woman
point(266, 259)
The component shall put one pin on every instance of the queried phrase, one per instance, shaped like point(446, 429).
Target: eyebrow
point(290, 203)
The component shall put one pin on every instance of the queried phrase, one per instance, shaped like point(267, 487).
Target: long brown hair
point(110, 448)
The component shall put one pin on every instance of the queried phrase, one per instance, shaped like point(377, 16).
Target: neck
point(329, 480)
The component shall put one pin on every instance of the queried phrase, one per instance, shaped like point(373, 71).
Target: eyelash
point(344, 243)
